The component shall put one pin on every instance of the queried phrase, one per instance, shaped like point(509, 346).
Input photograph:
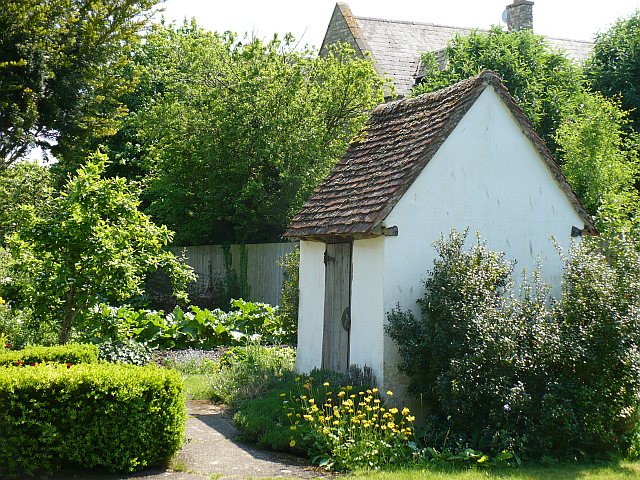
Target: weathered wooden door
point(337, 300)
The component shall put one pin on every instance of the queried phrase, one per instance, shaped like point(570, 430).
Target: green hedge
point(116, 417)
point(70, 353)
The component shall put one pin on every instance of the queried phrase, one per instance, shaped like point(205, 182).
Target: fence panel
point(264, 274)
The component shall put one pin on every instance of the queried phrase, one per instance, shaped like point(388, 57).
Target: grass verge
point(604, 471)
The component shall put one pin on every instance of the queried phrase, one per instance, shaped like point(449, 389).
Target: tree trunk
point(69, 317)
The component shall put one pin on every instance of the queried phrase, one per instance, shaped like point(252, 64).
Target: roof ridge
point(411, 22)
point(486, 76)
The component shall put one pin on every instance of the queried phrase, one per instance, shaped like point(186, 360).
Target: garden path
point(211, 451)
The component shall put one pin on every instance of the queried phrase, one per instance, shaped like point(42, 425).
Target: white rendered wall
point(367, 308)
point(311, 306)
point(486, 176)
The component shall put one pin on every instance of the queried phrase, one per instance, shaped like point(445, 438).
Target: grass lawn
point(605, 471)
point(197, 386)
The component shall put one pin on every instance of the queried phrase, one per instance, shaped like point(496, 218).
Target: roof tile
point(398, 141)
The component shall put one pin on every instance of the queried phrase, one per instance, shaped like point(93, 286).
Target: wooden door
point(337, 301)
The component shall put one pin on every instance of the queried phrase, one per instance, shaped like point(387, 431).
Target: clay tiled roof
point(398, 141)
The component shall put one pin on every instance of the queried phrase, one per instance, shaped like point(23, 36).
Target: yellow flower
point(393, 410)
point(325, 384)
point(283, 394)
point(341, 394)
point(303, 397)
point(360, 393)
point(405, 411)
point(411, 418)
point(352, 396)
point(336, 422)
point(289, 414)
point(390, 393)
point(293, 427)
point(312, 401)
point(377, 400)
point(292, 443)
point(374, 390)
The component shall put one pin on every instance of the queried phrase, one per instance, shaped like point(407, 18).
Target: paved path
point(212, 448)
point(211, 451)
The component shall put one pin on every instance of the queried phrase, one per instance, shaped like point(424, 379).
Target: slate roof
point(398, 141)
point(397, 45)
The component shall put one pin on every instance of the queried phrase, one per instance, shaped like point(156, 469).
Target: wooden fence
point(264, 274)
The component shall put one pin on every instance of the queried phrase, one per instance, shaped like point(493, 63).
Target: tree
point(236, 133)
point(614, 67)
point(541, 80)
point(93, 245)
point(59, 64)
point(23, 183)
point(600, 160)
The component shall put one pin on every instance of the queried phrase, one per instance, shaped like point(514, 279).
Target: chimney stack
point(520, 15)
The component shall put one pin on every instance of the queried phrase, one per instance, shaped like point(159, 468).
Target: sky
point(308, 19)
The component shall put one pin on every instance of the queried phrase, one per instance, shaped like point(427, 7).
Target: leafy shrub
point(523, 372)
point(248, 372)
point(592, 360)
point(119, 417)
point(124, 351)
point(69, 353)
point(197, 328)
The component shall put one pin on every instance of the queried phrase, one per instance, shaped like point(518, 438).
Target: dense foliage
point(59, 64)
point(69, 353)
point(614, 67)
point(246, 373)
point(600, 160)
point(24, 183)
point(524, 372)
point(91, 243)
point(235, 133)
point(117, 417)
point(588, 133)
point(541, 80)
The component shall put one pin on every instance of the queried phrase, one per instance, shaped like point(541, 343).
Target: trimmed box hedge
point(112, 416)
point(73, 353)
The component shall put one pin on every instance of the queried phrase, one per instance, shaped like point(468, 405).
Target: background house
point(396, 46)
point(465, 156)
